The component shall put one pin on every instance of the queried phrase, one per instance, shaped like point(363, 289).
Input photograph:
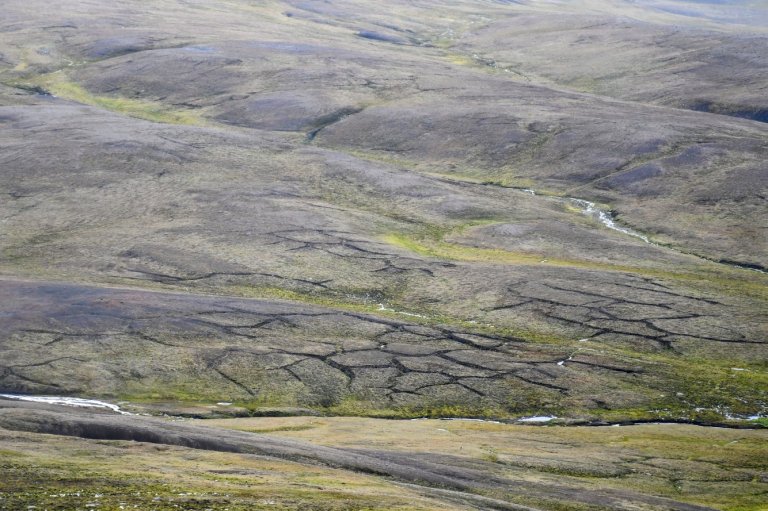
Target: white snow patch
point(384, 308)
point(66, 401)
point(537, 418)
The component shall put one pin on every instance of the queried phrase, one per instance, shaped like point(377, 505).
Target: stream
point(744, 421)
point(590, 209)
point(606, 218)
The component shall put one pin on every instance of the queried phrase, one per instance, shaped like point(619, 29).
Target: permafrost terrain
point(256, 254)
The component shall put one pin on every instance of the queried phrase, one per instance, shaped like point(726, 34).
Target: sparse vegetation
point(317, 221)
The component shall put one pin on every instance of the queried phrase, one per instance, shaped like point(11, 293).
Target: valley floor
point(60, 458)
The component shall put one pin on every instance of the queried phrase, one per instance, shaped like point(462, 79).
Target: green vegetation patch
point(59, 84)
point(439, 248)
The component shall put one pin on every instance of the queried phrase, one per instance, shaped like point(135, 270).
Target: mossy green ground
point(59, 473)
point(60, 85)
point(678, 461)
point(720, 468)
